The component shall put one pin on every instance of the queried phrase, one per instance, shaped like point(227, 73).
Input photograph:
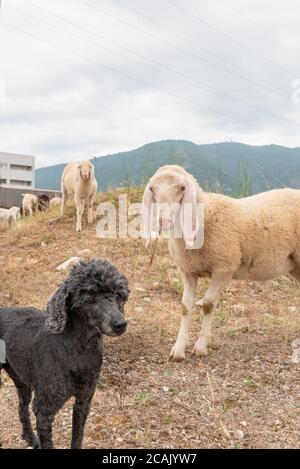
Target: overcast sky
point(78, 81)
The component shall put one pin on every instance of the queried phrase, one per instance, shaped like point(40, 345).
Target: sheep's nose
point(119, 326)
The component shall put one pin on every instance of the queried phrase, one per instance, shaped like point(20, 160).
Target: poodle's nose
point(119, 326)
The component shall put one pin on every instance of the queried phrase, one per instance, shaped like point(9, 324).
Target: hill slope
point(233, 168)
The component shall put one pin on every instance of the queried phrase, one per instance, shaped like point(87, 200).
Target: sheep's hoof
point(199, 302)
point(78, 230)
point(177, 353)
point(200, 348)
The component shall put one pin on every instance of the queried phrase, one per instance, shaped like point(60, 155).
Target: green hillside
point(232, 168)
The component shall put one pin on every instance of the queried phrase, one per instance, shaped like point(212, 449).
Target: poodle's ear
point(56, 312)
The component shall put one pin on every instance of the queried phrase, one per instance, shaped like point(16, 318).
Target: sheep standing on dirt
point(255, 238)
point(57, 353)
point(55, 202)
point(29, 204)
point(78, 180)
point(15, 212)
point(10, 214)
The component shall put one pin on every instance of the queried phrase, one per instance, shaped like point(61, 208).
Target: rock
point(140, 289)
point(244, 423)
point(68, 264)
point(166, 389)
point(120, 440)
point(292, 309)
point(296, 343)
point(296, 356)
point(138, 310)
point(238, 434)
point(147, 300)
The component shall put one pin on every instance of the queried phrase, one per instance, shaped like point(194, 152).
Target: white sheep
point(11, 214)
point(78, 180)
point(6, 216)
point(55, 202)
point(29, 204)
point(255, 238)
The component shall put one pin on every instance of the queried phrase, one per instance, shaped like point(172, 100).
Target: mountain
point(232, 168)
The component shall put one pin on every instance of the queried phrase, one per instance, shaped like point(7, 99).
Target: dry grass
point(247, 382)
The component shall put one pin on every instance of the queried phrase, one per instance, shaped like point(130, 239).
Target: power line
point(173, 73)
point(185, 51)
point(228, 36)
point(125, 75)
point(264, 83)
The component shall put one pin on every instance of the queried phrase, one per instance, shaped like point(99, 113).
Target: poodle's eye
point(90, 300)
point(119, 298)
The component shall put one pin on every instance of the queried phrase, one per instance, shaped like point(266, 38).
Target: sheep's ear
point(147, 202)
point(56, 312)
point(188, 216)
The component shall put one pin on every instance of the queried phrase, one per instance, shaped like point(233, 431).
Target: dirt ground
point(244, 394)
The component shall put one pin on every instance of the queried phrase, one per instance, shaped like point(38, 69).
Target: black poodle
point(57, 353)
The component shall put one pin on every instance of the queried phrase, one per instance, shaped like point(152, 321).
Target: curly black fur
point(57, 353)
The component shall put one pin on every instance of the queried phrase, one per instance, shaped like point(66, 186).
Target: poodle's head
point(94, 294)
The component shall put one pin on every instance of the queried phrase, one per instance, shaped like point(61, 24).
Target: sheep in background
point(10, 214)
point(6, 216)
point(78, 180)
point(15, 213)
point(43, 202)
point(29, 204)
point(55, 202)
point(255, 238)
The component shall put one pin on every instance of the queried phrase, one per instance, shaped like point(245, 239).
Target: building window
point(3, 181)
point(21, 167)
point(20, 183)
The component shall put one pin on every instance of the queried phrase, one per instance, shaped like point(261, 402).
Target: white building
point(17, 171)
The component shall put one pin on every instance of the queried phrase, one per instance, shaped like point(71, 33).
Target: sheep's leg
point(80, 207)
point(210, 300)
point(90, 209)
point(80, 413)
point(189, 293)
point(64, 201)
point(24, 394)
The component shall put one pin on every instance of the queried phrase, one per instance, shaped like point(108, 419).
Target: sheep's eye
point(181, 188)
point(151, 189)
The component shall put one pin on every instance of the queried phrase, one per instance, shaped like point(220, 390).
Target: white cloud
point(69, 93)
